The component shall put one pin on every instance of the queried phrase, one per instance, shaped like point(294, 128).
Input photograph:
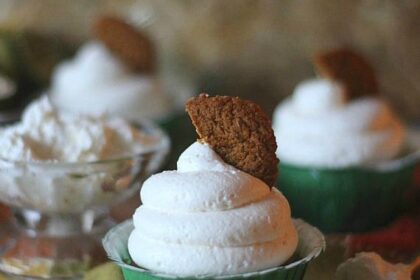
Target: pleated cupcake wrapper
point(311, 245)
point(348, 199)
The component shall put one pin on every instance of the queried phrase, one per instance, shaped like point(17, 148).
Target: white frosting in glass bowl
point(46, 134)
point(56, 162)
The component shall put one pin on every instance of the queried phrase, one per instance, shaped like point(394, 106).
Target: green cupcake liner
point(349, 199)
point(311, 245)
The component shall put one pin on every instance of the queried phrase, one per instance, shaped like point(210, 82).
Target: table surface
point(322, 268)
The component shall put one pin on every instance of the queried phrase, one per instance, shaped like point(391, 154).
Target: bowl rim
point(147, 126)
point(299, 224)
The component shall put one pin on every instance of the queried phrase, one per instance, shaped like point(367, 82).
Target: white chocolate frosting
point(209, 218)
point(317, 127)
point(96, 82)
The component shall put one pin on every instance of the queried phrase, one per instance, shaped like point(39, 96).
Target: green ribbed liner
point(311, 245)
point(349, 199)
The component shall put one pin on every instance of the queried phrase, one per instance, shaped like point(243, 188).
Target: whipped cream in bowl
point(75, 151)
point(61, 173)
point(208, 219)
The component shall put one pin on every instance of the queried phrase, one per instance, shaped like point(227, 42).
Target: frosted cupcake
point(116, 73)
point(217, 214)
point(319, 127)
point(216, 220)
point(338, 142)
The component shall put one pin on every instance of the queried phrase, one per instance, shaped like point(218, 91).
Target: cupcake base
point(348, 199)
point(311, 244)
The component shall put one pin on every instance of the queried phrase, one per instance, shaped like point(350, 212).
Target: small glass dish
point(311, 245)
point(61, 210)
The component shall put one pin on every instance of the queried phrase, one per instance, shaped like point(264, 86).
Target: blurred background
point(259, 50)
point(255, 49)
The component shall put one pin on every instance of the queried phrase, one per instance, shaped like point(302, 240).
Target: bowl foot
point(39, 246)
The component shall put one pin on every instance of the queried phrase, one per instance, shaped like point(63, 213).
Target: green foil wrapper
point(311, 245)
point(349, 199)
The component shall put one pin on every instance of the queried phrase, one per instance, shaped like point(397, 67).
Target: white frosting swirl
point(208, 218)
point(316, 127)
point(96, 82)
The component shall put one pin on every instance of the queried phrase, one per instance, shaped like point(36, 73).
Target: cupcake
point(217, 215)
point(342, 146)
point(116, 73)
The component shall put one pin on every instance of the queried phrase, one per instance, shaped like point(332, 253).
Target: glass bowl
point(61, 210)
point(311, 245)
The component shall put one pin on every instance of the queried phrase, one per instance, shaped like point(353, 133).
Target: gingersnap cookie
point(349, 68)
point(131, 46)
point(239, 132)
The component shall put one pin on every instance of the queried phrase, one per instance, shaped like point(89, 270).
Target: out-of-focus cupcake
point(342, 147)
point(96, 81)
point(116, 73)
